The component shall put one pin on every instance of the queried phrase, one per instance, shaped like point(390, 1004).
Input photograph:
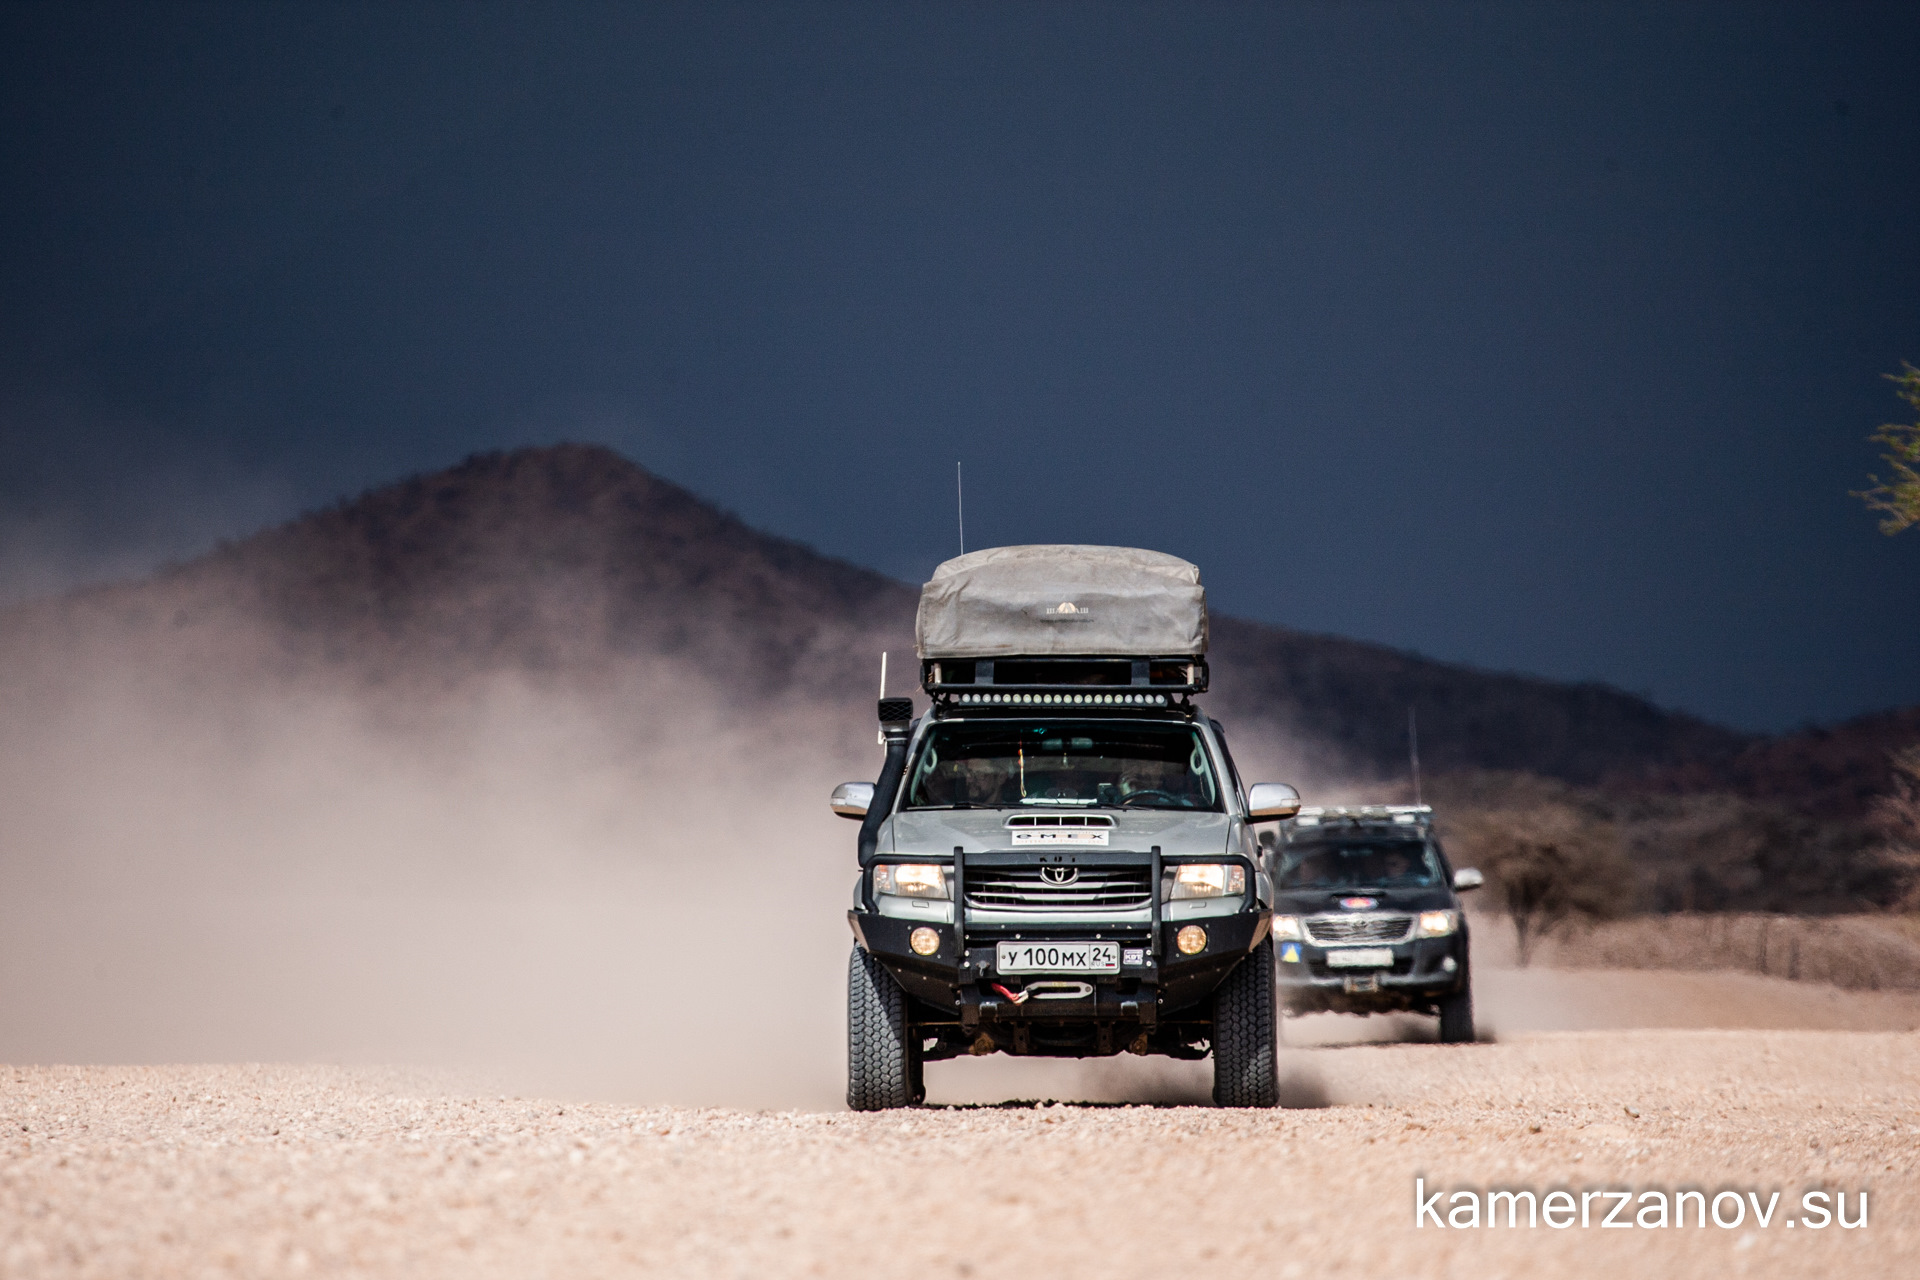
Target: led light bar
point(1065, 680)
point(1419, 815)
point(1060, 699)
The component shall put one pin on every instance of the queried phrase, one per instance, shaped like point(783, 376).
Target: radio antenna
point(960, 506)
point(1413, 750)
point(883, 673)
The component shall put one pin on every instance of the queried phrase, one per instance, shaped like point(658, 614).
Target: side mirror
point(1467, 878)
point(1271, 801)
point(851, 799)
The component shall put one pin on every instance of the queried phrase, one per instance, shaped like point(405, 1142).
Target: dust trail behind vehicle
point(586, 888)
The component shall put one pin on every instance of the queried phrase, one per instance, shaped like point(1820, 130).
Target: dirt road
point(268, 1171)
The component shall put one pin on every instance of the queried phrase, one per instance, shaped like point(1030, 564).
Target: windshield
point(1001, 764)
point(1359, 864)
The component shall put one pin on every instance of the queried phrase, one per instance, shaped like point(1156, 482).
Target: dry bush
point(1547, 865)
point(1896, 819)
point(1899, 496)
point(1725, 853)
point(1705, 852)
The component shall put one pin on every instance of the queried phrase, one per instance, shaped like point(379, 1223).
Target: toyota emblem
point(1059, 875)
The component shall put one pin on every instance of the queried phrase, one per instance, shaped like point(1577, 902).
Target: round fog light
point(924, 941)
point(1191, 940)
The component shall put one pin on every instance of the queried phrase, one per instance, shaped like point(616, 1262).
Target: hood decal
point(1061, 835)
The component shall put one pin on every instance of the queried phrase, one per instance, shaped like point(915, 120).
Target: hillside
point(571, 560)
point(1824, 772)
point(1353, 697)
point(564, 562)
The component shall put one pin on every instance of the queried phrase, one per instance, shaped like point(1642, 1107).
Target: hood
point(1310, 902)
point(937, 831)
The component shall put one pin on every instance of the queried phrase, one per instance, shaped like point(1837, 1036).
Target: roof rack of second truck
point(1415, 815)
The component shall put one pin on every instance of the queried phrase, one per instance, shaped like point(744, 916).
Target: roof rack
point(1067, 680)
point(1414, 815)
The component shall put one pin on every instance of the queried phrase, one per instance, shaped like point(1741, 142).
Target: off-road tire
point(1246, 1060)
point(1456, 1015)
point(883, 1059)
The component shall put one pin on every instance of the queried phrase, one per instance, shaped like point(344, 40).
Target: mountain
point(562, 562)
point(570, 560)
point(1354, 697)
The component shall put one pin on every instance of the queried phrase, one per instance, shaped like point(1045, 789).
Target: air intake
point(1019, 820)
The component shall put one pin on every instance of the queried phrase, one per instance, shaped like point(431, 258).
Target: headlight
point(1287, 928)
point(1208, 880)
point(911, 880)
point(1436, 924)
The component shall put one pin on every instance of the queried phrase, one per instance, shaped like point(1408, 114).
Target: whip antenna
point(960, 506)
point(1413, 750)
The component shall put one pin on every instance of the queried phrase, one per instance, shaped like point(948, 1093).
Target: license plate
point(1361, 958)
point(1058, 957)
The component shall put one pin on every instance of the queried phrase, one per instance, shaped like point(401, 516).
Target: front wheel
point(1456, 1016)
point(1246, 1059)
point(883, 1059)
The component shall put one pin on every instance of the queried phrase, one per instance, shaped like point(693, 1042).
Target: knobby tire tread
point(1246, 1066)
point(881, 1071)
point(1456, 1016)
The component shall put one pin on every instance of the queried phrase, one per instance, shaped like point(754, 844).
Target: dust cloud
point(615, 879)
point(625, 888)
point(586, 872)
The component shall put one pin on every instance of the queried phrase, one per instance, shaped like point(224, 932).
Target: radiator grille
point(1025, 889)
point(1359, 928)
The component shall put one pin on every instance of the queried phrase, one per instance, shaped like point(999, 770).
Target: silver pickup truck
point(1059, 858)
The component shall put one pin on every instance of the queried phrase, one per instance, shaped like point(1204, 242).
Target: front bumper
point(959, 990)
point(1424, 971)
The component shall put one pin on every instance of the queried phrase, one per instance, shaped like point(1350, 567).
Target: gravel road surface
point(312, 1170)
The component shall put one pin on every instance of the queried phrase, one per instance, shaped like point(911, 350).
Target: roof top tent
point(1090, 625)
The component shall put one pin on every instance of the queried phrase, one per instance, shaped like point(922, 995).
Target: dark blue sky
point(1537, 337)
